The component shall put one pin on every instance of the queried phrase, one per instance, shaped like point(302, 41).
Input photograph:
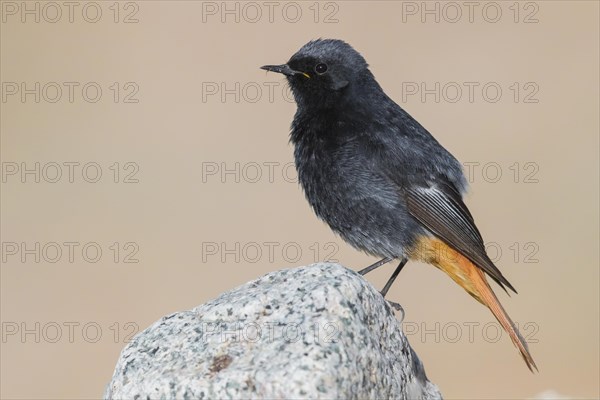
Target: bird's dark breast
point(357, 201)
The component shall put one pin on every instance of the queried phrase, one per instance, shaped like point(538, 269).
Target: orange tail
point(472, 279)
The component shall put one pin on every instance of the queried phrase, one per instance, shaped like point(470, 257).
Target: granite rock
point(320, 331)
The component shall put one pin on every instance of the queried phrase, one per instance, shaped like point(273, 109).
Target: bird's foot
point(397, 307)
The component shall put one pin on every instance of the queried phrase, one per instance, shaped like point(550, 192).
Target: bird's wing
point(439, 207)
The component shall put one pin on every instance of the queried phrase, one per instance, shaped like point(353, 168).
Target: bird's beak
point(283, 69)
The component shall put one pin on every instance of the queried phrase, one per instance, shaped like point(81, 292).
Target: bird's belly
point(367, 212)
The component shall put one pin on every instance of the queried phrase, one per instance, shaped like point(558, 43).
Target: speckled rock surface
point(320, 331)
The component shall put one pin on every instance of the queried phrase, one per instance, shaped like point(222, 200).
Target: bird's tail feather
point(472, 279)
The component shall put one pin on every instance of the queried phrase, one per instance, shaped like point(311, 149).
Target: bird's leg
point(371, 267)
point(390, 281)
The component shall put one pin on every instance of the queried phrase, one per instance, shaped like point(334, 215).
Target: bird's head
point(321, 72)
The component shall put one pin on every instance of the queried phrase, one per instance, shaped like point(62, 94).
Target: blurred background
point(146, 169)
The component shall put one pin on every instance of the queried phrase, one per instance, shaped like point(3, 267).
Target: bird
point(380, 180)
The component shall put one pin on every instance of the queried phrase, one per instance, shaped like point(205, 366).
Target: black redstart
point(379, 179)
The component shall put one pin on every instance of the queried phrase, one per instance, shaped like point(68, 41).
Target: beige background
point(172, 135)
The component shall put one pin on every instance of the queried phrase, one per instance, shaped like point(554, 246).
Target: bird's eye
point(321, 68)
